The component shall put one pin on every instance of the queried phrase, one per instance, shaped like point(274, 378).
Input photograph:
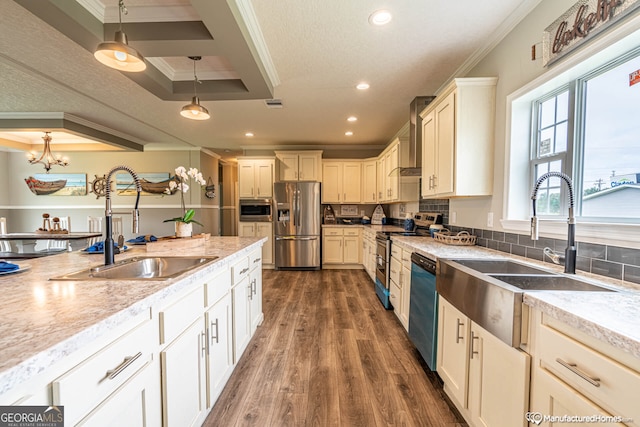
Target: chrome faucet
point(570, 252)
point(108, 241)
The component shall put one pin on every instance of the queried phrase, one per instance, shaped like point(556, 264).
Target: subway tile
point(623, 255)
point(560, 244)
point(511, 238)
point(632, 273)
point(487, 234)
point(592, 250)
point(492, 244)
point(477, 232)
point(534, 253)
point(498, 235)
point(525, 240)
point(544, 243)
point(482, 242)
point(504, 247)
point(519, 250)
point(606, 268)
point(583, 263)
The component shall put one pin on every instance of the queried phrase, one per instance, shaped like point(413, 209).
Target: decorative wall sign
point(152, 183)
point(58, 184)
point(585, 20)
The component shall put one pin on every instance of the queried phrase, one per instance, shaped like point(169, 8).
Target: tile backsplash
point(605, 260)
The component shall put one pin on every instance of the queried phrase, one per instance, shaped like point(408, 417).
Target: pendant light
point(118, 54)
point(47, 159)
point(195, 111)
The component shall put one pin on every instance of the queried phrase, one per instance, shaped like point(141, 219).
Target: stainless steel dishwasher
point(423, 308)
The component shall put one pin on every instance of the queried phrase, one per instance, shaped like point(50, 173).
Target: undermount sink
point(490, 292)
point(141, 268)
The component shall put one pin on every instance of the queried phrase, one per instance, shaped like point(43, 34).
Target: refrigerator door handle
point(298, 207)
point(294, 206)
point(296, 238)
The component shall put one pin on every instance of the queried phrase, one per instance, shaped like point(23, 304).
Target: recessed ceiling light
point(362, 86)
point(352, 119)
point(249, 134)
point(380, 17)
point(348, 133)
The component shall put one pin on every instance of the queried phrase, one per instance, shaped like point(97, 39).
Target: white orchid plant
point(180, 183)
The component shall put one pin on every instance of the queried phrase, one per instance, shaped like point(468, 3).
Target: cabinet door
point(331, 182)
point(351, 252)
point(265, 229)
point(332, 250)
point(246, 180)
point(255, 298)
point(184, 377)
point(453, 334)
point(382, 189)
point(392, 173)
point(395, 297)
point(309, 167)
point(369, 182)
point(220, 363)
point(288, 166)
point(351, 182)
point(241, 322)
point(428, 154)
point(445, 137)
point(405, 278)
point(246, 229)
point(264, 179)
point(498, 381)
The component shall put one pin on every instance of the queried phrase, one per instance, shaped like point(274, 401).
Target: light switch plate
point(490, 219)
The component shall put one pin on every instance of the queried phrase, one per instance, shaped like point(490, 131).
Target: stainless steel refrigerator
point(297, 224)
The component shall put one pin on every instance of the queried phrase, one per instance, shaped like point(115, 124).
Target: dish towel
point(99, 247)
point(7, 266)
point(143, 239)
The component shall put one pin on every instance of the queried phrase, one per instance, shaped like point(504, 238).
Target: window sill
point(625, 235)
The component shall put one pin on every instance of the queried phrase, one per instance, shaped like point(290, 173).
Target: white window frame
point(517, 203)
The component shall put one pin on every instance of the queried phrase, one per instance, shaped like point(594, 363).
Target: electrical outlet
point(402, 208)
point(454, 217)
point(490, 219)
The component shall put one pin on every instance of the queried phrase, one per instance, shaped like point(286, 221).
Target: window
point(590, 130)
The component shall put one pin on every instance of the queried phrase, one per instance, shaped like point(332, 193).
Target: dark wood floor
point(328, 354)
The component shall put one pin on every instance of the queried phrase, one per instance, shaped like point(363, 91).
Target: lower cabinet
point(255, 291)
point(486, 379)
point(341, 245)
point(259, 229)
point(240, 293)
point(219, 350)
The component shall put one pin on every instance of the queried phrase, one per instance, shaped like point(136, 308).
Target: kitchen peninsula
point(95, 346)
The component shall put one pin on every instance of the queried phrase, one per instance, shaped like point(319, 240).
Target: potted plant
point(184, 223)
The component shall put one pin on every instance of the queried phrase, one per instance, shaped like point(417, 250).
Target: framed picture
point(153, 183)
point(58, 184)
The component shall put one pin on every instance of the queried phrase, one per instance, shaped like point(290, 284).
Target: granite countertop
point(612, 317)
point(43, 320)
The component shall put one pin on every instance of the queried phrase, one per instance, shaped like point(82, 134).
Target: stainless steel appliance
point(256, 210)
point(423, 308)
point(297, 224)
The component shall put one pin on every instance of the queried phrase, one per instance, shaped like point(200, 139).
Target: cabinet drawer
point(240, 270)
point(216, 286)
point(599, 378)
point(85, 386)
point(178, 316)
point(396, 252)
point(351, 231)
point(395, 270)
point(255, 259)
point(332, 232)
point(395, 297)
point(406, 257)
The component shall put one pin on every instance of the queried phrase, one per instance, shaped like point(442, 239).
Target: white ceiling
point(310, 54)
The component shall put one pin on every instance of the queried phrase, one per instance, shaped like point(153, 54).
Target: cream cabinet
point(369, 252)
point(401, 278)
point(259, 229)
point(392, 187)
point(458, 140)
point(341, 246)
point(341, 182)
point(255, 177)
point(299, 165)
point(396, 283)
point(578, 375)
point(370, 181)
point(240, 293)
point(255, 290)
point(487, 380)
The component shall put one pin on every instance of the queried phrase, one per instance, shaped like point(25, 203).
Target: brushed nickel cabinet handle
point(244, 270)
point(216, 336)
point(458, 337)
point(574, 368)
point(112, 373)
point(473, 338)
point(250, 292)
point(203, 342)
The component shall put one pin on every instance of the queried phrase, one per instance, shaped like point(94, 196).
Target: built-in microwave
point(256, 210)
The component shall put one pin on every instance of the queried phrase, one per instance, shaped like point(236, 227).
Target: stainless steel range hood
point(414, 165)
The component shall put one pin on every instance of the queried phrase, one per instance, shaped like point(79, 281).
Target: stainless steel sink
point(490, 292)
point(141, 268)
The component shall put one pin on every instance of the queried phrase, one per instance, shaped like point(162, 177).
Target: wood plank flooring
point(329, 354)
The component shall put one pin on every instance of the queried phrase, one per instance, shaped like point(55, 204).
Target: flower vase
point(183, 229)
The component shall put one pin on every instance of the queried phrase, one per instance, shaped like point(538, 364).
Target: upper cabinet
point(392, 187)
point(299, 165)
point(255, 177)
point(457, 140)
point(341, 181)
point(369, 181)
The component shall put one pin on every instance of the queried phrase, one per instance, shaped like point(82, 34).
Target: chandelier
point(48, 159)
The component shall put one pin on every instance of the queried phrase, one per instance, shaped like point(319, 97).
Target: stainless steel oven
point(256, 210)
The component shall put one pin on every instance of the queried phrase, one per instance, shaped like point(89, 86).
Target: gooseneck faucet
point(570, 252)
point(108, 241)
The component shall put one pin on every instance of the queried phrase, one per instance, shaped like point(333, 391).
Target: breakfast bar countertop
point(612, 317)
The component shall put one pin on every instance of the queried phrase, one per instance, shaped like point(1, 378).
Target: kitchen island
point(51, 327)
